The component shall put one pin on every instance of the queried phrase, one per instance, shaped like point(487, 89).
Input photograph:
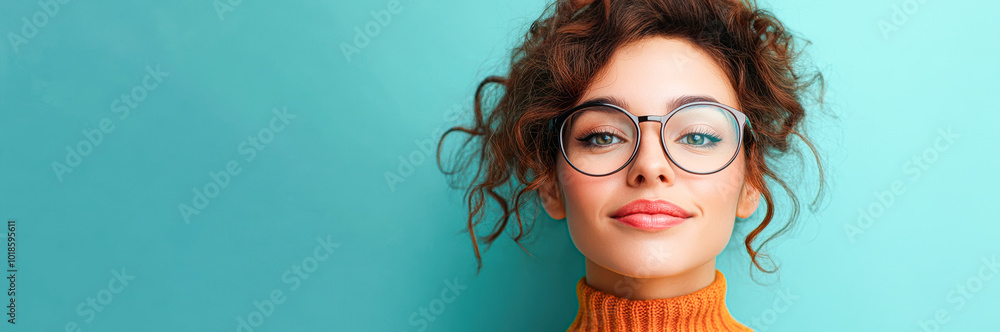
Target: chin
point(639, 269)
point(639, 254)
point(645, 262)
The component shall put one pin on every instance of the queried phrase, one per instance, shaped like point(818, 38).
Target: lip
point(651, 214)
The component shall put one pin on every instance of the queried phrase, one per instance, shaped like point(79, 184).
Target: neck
point(659, 287)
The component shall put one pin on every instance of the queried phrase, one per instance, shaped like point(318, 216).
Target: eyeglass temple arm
point(753, 133)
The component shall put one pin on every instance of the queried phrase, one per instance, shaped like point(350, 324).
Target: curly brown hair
point(514, 153)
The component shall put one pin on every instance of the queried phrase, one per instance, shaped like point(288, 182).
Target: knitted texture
point(703, 310)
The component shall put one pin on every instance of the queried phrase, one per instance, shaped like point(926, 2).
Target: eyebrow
point(685, 99)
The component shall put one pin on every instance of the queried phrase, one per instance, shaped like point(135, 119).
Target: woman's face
point(649, 75)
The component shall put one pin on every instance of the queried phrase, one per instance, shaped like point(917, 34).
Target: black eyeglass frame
point(741, 120)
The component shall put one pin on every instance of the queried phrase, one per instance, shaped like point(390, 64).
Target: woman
point(650, 126)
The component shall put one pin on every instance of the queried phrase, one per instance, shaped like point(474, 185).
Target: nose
point(651, 164)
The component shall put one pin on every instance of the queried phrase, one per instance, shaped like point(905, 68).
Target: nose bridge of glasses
point(651, 118)
point(659, 145)
point(656, 118)
point(656, 162)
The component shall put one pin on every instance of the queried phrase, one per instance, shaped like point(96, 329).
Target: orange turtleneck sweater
point(703, 310)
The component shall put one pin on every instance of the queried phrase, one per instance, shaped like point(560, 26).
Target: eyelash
point(585, 137)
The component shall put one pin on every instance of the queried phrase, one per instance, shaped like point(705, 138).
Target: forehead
point(653, 72)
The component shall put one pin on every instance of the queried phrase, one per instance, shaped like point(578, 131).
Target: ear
point(749, 199)
point(552, 201)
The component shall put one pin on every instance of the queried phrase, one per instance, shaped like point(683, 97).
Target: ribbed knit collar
point(703, 310)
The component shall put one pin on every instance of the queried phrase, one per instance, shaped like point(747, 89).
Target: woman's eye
point(698, 139)
point(603, 139)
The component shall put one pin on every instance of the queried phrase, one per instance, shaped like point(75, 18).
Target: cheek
point(584, 195)
point(718, 194)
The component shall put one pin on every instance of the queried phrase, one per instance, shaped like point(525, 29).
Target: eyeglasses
point(599, 139)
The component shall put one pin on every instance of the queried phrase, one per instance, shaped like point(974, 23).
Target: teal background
point(397, 246)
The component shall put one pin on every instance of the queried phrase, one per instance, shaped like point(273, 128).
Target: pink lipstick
point(651, 214)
